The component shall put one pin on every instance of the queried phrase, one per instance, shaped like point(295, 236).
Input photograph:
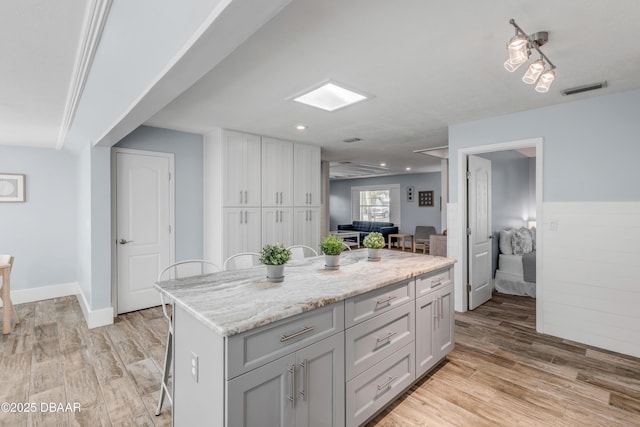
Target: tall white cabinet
point(259, 190)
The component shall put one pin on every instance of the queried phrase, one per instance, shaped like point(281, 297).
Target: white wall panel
point(591, 274)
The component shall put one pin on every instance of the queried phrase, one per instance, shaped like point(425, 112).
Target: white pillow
point(521, 241)
point(505, 241)
point(532, 230)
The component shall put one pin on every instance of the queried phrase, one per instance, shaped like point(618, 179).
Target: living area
point(389, 204)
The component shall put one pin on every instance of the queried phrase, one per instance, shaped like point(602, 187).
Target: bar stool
point(8, 312)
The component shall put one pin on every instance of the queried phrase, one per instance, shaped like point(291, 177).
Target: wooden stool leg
point(6, 310)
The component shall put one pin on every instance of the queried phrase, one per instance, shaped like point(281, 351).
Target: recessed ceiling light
point(383, 164)
point(408, 168)
point(301, 127)
point(330, 97)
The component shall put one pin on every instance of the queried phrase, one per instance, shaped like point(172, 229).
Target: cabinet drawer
point(369, 342)
point(375, 388)
point(431, 281)
point(366, 306)
point(254, 348)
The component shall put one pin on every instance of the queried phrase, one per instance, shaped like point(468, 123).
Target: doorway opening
point(463, 214)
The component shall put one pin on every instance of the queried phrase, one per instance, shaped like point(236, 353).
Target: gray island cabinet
point(322, 348)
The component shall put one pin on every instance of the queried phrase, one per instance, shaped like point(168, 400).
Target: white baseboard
point(95, 318)
point(21, 296)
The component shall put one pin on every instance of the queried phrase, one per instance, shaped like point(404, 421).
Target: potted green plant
point(374, 242)
point(274, 257)
point(332, 246)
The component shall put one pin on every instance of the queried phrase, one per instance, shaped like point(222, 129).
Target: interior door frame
point(460, 285)
point(114, 214)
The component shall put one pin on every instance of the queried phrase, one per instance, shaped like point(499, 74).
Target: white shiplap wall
point(591, 276)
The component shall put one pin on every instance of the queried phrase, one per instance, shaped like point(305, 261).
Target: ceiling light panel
point(330, 97)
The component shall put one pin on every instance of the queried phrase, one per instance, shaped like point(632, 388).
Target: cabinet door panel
point(261, 397)
point(253, 171)
point(321, 383)
point(306, 227)
point(277, 226)
point(234, 168)
point(306, 175)
point(426, 351)
point(277, 172)
point(446, 341)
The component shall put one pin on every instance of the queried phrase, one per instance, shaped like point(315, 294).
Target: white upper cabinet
point(241, 173)
point(277, 172)
point(306, 175)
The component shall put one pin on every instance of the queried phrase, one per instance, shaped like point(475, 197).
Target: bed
point(516, 273)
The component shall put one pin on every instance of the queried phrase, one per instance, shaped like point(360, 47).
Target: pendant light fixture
point(520, 47)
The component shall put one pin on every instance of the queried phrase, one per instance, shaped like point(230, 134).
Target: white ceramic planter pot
point(275, 273)
point(374, 254)
point(332, 262)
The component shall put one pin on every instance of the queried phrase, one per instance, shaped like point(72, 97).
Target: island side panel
point(201, 396)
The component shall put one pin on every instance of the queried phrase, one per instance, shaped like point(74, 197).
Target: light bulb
point(518, 51)
point(512, 67)
point(545, 81)
point(534, 71)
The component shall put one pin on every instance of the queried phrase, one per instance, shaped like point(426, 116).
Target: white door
point(479, 231)
point(144, 224)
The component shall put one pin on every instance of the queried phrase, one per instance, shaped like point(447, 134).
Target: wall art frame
point(12, 187)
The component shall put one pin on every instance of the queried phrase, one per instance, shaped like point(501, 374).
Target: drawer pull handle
point(386, 337)
point(296, 334)
point(292, 397)
point(437, 284)
point(386, 300)
point(386, 383)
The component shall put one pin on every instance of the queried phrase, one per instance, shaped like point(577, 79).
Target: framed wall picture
point(12, 188)
point(425, 198)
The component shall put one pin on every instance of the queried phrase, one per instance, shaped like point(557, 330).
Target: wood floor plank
point(501, 372)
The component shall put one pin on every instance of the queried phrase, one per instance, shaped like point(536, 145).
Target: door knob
point(124, 242)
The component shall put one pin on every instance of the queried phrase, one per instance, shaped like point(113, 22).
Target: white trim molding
point(95, 318)
point(94, 21)
point(22, 296)
point(459, 220)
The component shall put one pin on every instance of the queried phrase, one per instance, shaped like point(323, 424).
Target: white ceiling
point(426, 64)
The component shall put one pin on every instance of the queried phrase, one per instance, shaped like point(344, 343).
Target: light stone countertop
point(231, 302)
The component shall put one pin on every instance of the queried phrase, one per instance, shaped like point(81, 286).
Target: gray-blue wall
point(41, 233)
point(187, 150)
point(591, 147)
point(411, 214)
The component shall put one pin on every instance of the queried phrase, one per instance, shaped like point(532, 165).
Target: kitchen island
point(329, 347)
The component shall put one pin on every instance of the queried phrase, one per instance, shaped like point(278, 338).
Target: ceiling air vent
point(585, 88)
point(350, 140)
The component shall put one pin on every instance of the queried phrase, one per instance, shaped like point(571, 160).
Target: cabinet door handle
point(305, 379)
point(309, 198)
point(245, 217)
point(310, 215)
point(386, 383)
point(246, 197)
point(240, 217)
point(435, 311)
point(386, 337)
point(386, 300)
point(281, 198)
point(296, 334)
point(240, 196)
point(292, 396)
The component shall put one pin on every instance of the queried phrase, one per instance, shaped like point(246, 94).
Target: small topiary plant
point(374, 240)
point(332, 245)
point(275, 254)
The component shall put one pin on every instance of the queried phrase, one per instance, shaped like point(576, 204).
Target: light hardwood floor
point(501, 373)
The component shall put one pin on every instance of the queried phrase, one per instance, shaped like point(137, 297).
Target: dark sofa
point(366, 227)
